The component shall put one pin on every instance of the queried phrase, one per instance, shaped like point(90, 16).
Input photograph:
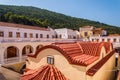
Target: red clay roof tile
point(79, 53)
point(6, 24)
point(47, 72)
point(91, 48)
point(97, 66)
point(107, 46)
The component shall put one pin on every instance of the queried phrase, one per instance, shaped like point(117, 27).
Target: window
point(41, 35)
point(97, 40)
point(36, 35)
point(103, 40)
point(31, 35)
point(108, 40)
point(92, 39)
point(1, 34)
point(52, 36)
point(25, 35)
point(114, 40)
point(74, 37)
point(47, 36)
point(10, 34)
point(50, 60)
point(60, 36)
point(17, 34)
point(56, 36)
point(86, 34)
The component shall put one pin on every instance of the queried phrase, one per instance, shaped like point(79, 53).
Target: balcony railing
point(35, 39)
point(14, 59)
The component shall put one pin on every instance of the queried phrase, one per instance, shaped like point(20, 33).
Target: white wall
point(64, 32)
point(28, 31)
point(106, 38)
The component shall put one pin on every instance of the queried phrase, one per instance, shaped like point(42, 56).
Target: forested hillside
point(29, 15)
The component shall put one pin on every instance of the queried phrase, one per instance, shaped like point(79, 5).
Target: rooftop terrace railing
point(14, 60)
point(35, 39)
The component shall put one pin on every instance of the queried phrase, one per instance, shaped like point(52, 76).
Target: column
point(20, 54)
point(34, 49)
point(2, 54)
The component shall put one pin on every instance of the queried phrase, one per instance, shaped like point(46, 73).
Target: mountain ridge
point(30, 15)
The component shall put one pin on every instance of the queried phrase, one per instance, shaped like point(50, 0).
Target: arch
point(103, 40)
point(27, 49)
point(92, 39)
point(39, 46)
point(11, 51)
point(97, 40)
point(108, 40)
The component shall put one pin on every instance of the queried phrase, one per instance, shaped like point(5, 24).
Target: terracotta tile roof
point(87, 26)
point(114, 34)
point(107, 46)
point(47, 72)
point(91, 48)
point(6, 24)
point(79, 53)
point(83, 59)
point(97, 66)
point(97, 29)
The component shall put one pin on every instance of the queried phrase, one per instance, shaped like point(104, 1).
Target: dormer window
point(50, 59)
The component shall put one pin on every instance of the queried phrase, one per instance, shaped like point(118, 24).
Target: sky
point(105, 11)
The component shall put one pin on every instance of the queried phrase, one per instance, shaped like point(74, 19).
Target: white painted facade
point(6, 31)
point(115, 40)
point(104, 32)
point(67, 33)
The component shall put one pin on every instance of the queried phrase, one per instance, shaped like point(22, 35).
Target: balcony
point(116, 44)
point(13, 60)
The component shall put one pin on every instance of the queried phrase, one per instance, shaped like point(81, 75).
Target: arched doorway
point(27, 49)
point(39, 46)
point(11, 52)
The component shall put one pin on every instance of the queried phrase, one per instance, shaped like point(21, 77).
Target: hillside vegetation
point(29, 15)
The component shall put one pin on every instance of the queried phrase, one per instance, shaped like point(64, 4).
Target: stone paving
point(2, 77)
point(9, 74)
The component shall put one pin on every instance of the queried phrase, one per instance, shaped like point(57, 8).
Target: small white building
point(65, 33)
point(104, 33)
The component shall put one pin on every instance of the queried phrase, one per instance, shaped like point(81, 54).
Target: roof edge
point(52, 47)
point(96, 67)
